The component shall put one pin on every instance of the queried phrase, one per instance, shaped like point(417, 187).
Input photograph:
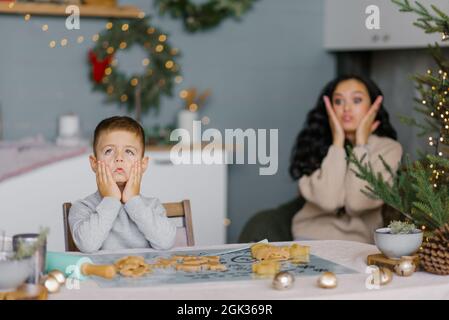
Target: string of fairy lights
point(445, 35)
point(64, 42)
point(436, 99)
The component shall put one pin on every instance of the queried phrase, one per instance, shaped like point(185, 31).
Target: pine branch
point(437, 55)
point(423, 111)
point(421, 218)
point(432, 125)
point(443, 162)
point(419, 190)
point(432, 201)
point(409, 121)
point(410, 193)
point(440, 13)
point(378, 188)
point(427, 21)
point(421, 154)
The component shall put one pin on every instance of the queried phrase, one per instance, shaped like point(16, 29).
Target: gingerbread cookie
point(296, 252)
point(212, 259)
point(264, 251)
point(279, 253)
point(300, 253)
point(180, 258)
point(120, 263)
point(164, 263)
point(215, 266)
point(266, 267)
point(198, 263)
point(132, 266)
point(256, 247)
point(188, 267)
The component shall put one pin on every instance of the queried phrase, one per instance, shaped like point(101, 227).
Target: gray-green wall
point(265, 72)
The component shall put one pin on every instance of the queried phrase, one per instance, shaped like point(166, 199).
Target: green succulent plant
point(401, 227)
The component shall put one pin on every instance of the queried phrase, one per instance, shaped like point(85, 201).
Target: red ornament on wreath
point(99, 66)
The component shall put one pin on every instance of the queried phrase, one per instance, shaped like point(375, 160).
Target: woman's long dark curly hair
point(314, 139)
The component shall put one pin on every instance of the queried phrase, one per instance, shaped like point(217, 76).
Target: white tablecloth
point(420, 285)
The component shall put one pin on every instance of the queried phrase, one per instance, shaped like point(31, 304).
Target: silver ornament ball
point(327, 280)
point(406, 267)
point(283, 280)
point(51, 284)
point(385, 276)
point(58, 275)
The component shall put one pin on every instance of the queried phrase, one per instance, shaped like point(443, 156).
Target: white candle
point(185, 121)
point(68, 125)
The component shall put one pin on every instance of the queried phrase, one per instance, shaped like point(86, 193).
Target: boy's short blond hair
point(119, 123)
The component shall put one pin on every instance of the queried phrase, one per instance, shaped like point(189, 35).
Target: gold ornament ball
point(58, 275)
point(385, 276)
point(283, 280)
point(51, 284)
point(327, 280)
point(406, 267)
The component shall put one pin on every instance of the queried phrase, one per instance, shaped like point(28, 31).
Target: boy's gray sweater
point(106, 224)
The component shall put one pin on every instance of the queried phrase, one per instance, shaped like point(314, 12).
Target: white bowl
point(395, 246)
point(13, 272)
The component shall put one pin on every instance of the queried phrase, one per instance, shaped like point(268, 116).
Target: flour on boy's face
point(119, 150)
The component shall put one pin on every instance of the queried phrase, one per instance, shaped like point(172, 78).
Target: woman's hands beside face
point(338, 133)
point(369, 124)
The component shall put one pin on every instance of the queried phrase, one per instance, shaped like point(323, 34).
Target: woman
point(349, 111)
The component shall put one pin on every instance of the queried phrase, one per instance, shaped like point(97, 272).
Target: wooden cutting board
point(26, 292)
point(381, 261)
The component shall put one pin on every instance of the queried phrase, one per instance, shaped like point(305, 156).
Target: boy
point(117, 216)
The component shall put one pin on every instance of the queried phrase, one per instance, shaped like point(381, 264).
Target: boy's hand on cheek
point(132, 187)
point(106, 183)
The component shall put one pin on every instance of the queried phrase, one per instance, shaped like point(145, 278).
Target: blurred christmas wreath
point(198, 17)
point(139, 92)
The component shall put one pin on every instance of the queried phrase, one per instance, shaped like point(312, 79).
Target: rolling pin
point(77, 266)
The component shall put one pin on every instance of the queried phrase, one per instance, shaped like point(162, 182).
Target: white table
point(420, 285)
